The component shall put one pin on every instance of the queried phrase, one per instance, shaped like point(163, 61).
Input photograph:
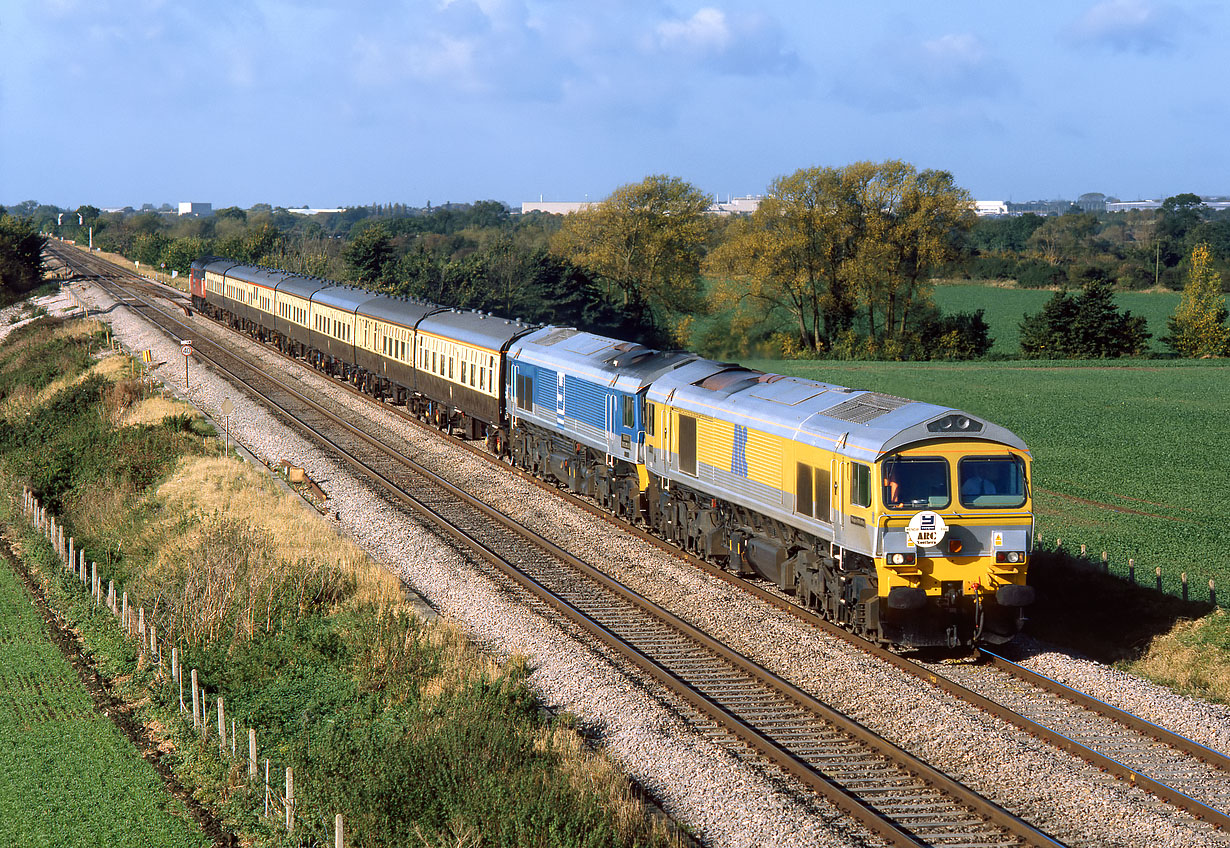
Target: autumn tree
point(1197, 328)
point(832, 246)
point(647, 241)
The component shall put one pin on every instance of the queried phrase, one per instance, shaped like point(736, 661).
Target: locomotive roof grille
point(866, 407)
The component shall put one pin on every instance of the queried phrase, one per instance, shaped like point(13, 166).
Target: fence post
point(195, 703)
point(266, 786)
point(1132, 571)
point(124, 613)
point(1105, 564)
point(70, 561)
point(290, 799)
point(233, 743)
point(1157, 572)
point(94, 581)
point(221, 728)
point(141, 625)
point(337, 831)
point(1212, 593)
point(252, 753)
point(1183, 578)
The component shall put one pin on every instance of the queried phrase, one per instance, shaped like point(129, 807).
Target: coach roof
point(480, 329)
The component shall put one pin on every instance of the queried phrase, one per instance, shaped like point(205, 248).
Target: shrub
point(1085, 326)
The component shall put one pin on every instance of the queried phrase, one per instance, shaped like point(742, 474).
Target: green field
point(70, 777)
point(1005, 307)
point(1129, 458)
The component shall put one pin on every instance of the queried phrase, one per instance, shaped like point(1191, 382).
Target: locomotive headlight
point(900, 559)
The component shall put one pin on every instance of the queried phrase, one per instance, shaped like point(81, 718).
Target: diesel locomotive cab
point(955, 534)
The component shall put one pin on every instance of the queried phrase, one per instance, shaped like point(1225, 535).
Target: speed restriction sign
point(185, 347)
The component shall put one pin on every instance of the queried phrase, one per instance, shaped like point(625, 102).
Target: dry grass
point(1194, 657)
point(221, 486)
point(587, 769)
point(153, 410)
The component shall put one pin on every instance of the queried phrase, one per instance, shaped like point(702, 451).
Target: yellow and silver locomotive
point(907, 522)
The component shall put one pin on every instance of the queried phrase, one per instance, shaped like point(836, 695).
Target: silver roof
point(627, 366)
point(820, 414)
point(405, 312)
point(481, 329)
point(345, 298)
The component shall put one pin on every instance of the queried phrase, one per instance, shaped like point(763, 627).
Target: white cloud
point(704, 32)
point(1130, 26)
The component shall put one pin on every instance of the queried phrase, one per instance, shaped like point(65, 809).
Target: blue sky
point(335, 102)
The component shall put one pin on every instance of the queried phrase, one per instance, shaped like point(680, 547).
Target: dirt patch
point(113, 707)
point(1112, 507)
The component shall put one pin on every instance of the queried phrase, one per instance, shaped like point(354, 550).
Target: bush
point(1085, 326)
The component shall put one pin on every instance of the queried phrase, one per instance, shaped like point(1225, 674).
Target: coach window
point(860, 484)
point(450, 367)
point(482, 379)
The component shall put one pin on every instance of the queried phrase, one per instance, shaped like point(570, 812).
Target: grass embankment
point(401, 726)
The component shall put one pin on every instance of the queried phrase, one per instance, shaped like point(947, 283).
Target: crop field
point(70, 777)
point(1005, 307)
point(1129, 458)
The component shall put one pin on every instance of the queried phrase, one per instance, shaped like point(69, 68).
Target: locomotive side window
point(687, 444)
point(649, 418)
point(822, 494)
point(993, 482)
point(629, 409)
point(803, 495)
point(860, 484)
point(915, 483)
point(525, 392)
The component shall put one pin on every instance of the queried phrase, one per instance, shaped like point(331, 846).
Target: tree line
point(835, 262)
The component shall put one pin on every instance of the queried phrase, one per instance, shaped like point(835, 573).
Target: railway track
point(1175, 769)
point(890, 792)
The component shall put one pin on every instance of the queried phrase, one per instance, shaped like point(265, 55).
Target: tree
point(1197, 328)
point(647, 240)
point(21, 255)
point(1064, 238)
point(788, 256)
point(1084, 326)
point(832, 245)
point(370, 256)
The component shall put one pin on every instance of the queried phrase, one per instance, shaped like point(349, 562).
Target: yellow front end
point(955, 528)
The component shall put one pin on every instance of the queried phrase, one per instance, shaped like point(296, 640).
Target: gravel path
point(723, 799)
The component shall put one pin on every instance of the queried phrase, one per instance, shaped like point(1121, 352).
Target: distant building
point(196, 210)
point(556, 207)
point(306, 211)
point(990, 207)
point(733, 206)
point(736, 205)
point(1125, 205)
